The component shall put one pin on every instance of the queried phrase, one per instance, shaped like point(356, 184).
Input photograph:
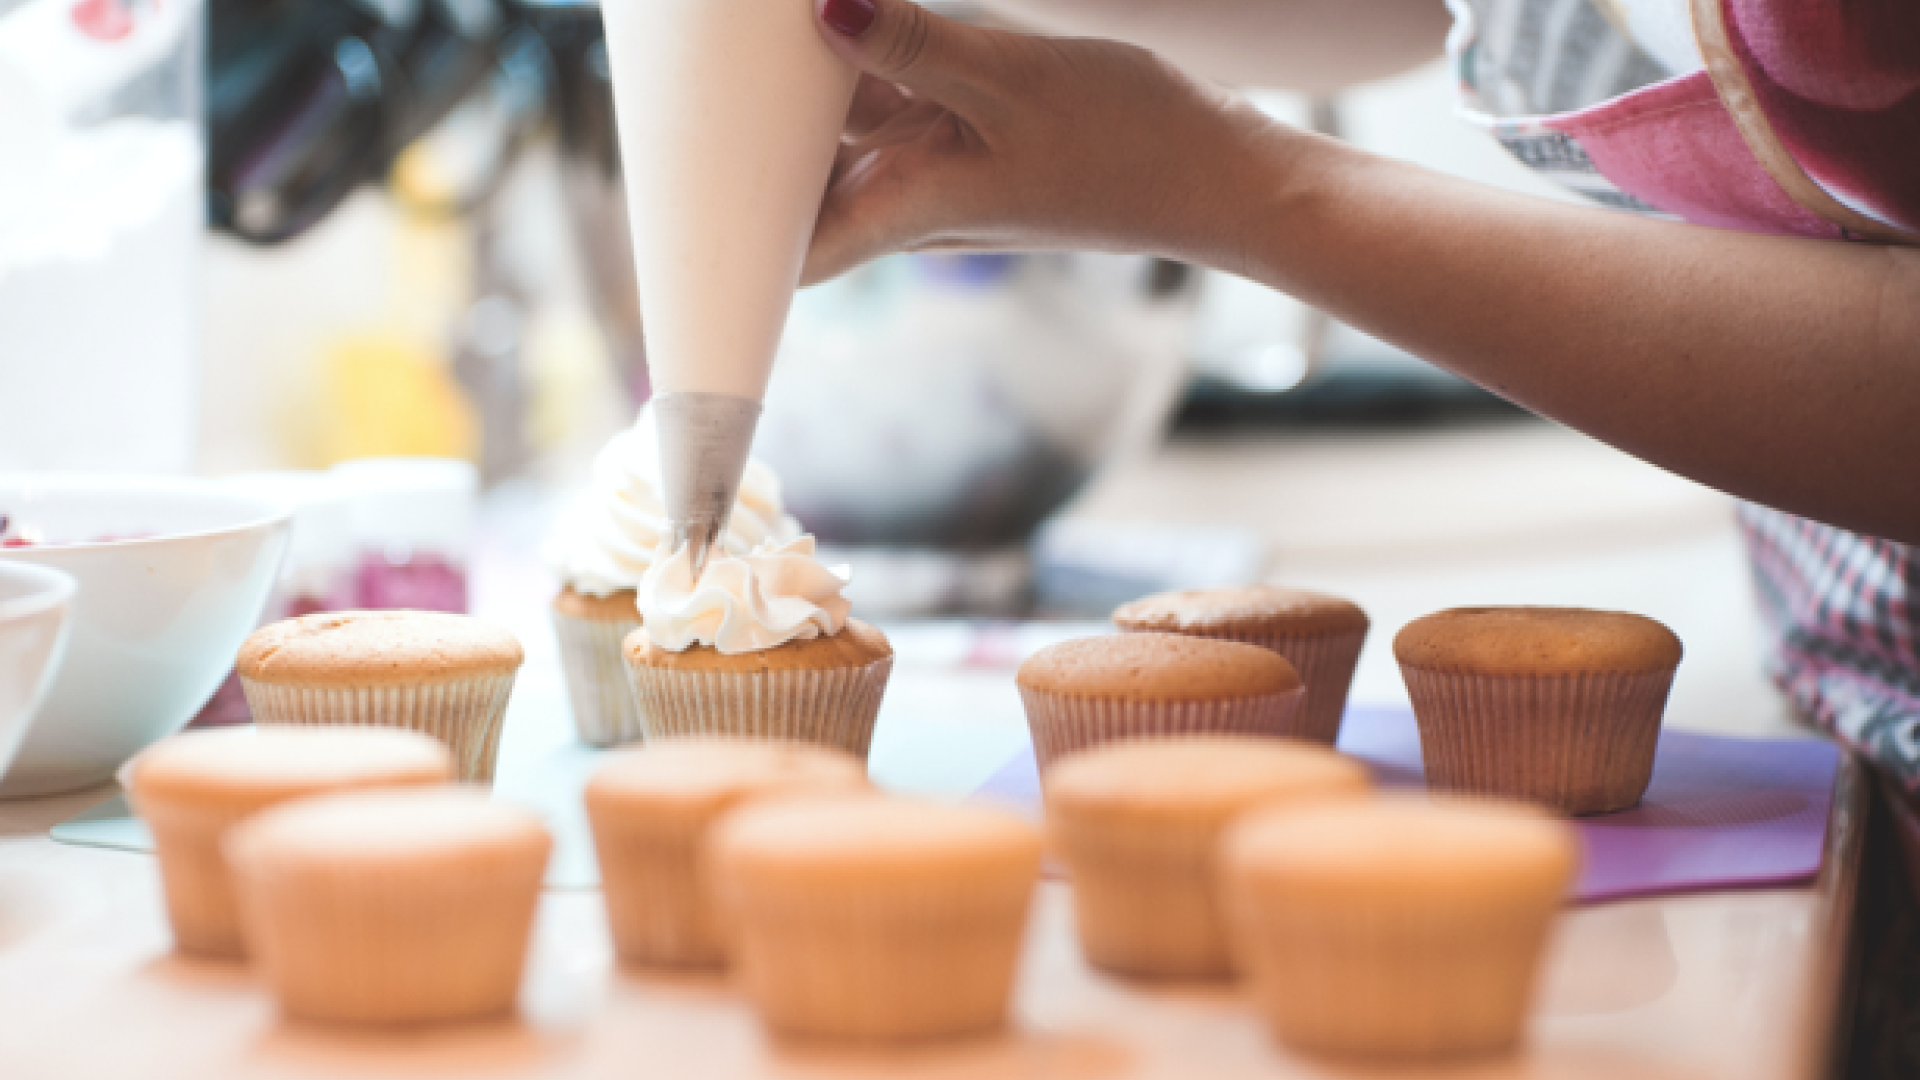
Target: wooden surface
point(1738, 985)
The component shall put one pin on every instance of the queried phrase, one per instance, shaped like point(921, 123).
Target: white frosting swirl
point(606, 541)
point(777, 593)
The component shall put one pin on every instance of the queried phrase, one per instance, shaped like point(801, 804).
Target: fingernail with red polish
point(848, 17)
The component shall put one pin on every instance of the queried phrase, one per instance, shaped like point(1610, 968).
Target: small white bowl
point(173, 575)
point(34, 602)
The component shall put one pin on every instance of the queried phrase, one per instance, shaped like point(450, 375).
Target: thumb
point(904, 43)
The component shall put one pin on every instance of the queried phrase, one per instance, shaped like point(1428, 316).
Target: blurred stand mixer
point(927, 412)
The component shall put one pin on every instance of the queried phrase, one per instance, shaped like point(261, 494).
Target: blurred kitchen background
point(274, 236)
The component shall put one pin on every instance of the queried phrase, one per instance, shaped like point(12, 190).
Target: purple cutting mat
point(1721, 813)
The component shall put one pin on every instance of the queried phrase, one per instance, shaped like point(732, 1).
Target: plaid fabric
point(1844, 618)
point(1842, 609)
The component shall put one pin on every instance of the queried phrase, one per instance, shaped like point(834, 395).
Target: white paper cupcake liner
point(1579, 744)
point(1062, 723)
point(466, 714)
point(830, 707)
point(598, 686)
point(1326, 663)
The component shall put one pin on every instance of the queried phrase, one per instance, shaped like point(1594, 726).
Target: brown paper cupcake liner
point(1061, 723)
point(657, 905)
point(830, 707)
point(899, 966)
point(598, 686)
point(1326, 663)
point(376, 944)
point(1579, 744)
point(1149, 911)
point(465, 714)
point(1378, 980)
point(196, 880)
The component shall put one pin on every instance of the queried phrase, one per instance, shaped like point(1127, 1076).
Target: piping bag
point(729, 115)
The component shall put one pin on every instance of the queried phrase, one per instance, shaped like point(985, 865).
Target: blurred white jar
point(101, 208)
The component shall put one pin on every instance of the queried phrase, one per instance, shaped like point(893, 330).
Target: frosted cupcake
point(448, 676)
point(763, 646)
point(1558, 706)
point(1090, 691)
point(603, 548)
point(1397, 927)
point(1320, 635)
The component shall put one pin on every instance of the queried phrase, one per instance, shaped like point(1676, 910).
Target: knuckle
point(908, 43)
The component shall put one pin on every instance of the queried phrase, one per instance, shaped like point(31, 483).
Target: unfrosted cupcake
point(1090, 691)
point(1137, 825)
point(762, 647)
point(192, 788)
point(651, 809)
point(391, 908)
point(1559, 706)
point(448, 676)
point(875, 919)
point(1320, 635)
point(1395, 927)
point(602, 550)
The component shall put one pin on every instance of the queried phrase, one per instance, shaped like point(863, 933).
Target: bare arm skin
point(1780, 370)
point(1313, 46)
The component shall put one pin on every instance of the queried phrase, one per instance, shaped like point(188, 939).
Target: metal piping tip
point(704, 440)
point(699, 538)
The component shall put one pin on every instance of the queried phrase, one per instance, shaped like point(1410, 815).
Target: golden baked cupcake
point(1320, 635)
point(650, 810)
point(391, 907)
point(874, 919)
point(1395, 927)
point(762, 646)
point(1138, 823)
point(591, 631)
point(601, 551)
point(448, 676)
point(192, 788)
point(1559, 706)
point(1089, 691)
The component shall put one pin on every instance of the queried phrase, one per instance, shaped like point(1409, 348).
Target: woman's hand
point(962, 137)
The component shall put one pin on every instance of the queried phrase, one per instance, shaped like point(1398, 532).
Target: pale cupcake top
point(608, 540)
point(776, 594)
point(1537, 641)
point(409, 827)
point(1158, 667)
point(1409, 848)
point(856, 645)
point(1197, 779)
point(377, 648)
point(697, 778)
point(244, 768)
point(1244, 611)
point(853, 842)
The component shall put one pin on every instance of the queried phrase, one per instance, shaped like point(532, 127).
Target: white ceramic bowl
point(158, 618)
point(34, 602)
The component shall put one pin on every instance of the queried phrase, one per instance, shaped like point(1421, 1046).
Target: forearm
point(1780, 370)
point(1313, 46)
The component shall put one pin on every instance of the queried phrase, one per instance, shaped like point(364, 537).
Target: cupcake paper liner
point(380, 944)
point(196, 879)
point(1326, 663)
point(466, 714)
point(1349, 977)
point(657, 904)
point(879, 966)
point(1062, 723)
point(598, 686)
point(1579, 744)
point(1144, 903)
point(830, 707)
